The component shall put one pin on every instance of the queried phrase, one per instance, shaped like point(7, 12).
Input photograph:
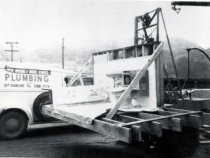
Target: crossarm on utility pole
point(132, 85)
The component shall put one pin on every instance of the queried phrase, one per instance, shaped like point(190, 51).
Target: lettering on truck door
point(25, 78)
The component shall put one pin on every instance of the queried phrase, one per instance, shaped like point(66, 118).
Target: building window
point(144, 84)
point(129, 53)
point(115, 55)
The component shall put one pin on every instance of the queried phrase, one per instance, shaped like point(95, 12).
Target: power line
point(12, 50)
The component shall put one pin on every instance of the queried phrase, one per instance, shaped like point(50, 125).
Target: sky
point(91, 24)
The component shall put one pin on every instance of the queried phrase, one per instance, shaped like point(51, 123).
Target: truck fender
point(23, 108)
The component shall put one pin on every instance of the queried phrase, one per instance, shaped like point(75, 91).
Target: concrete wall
point(102, 67)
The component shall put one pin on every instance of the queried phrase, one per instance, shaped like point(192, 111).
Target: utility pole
point(12, 50)
point(21, 59)
point(63, 53)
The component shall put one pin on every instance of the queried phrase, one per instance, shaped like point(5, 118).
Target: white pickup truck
point(22, 94)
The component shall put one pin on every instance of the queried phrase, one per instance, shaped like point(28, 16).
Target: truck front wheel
point(12, 124)
point(41, 100)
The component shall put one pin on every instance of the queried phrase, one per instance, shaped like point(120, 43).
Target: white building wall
point(102, 67)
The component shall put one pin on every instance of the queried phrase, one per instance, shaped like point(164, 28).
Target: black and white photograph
point(104, 79)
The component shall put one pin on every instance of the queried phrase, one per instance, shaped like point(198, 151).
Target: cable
point(172, 57)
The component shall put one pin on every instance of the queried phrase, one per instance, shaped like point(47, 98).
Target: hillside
point(200, 66)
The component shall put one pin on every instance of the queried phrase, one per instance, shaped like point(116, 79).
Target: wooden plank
point(160, 118)
point(124, 118)
point(159, 80)
point(189, 121)
point(178, 110)
point(123, 134)
point(119, 133)
point(135, 81)
point(153, 128)
point(111, 121)
point(166, 113)
point(170, 123)
point(136, 130)
point(174, 124)
point(193, 121)
point(157, 76)
point(136, 31)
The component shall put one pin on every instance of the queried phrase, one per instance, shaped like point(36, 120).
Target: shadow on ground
point(76, 142)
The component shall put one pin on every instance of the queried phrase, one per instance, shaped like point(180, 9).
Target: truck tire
point(12, 124)
point(41, 100)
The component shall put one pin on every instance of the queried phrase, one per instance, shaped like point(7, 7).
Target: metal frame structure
point(151, 20)
point(145, 22)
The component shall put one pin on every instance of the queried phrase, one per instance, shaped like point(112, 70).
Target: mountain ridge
point(199, 65)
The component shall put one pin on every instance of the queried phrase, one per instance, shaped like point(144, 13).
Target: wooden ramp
point(83, 112)
point(129, 126)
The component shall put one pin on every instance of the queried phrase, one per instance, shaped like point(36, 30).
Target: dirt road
point(72, 141)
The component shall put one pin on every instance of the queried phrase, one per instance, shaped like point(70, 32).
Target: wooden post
point(159, 80)
point(63, 53)
point(136, 31)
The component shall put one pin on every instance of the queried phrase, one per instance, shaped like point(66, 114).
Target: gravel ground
point(71, 141)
